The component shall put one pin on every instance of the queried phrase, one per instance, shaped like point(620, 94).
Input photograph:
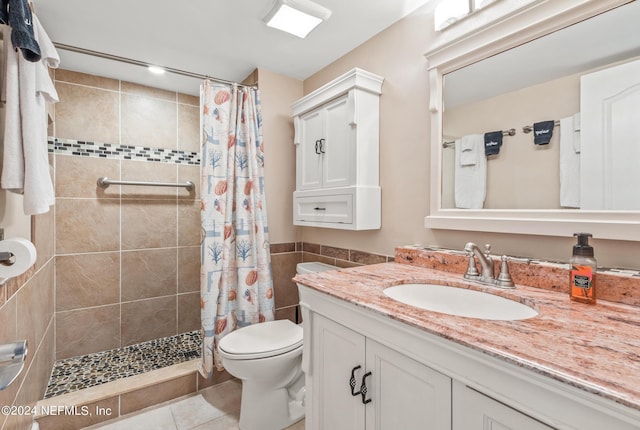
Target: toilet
point(266, 358)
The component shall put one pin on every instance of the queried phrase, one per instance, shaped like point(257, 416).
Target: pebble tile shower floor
point(76, 373)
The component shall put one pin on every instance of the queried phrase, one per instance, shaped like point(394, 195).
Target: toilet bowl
point(266, 358)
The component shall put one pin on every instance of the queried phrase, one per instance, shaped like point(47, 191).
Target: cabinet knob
point(353, 382)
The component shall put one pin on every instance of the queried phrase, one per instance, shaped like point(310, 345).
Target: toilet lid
point(262, 340)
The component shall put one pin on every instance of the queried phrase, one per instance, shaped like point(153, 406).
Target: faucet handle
point(504, 278)
point(472, 270)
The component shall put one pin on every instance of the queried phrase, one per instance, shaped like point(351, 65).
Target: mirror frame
point(482, 38)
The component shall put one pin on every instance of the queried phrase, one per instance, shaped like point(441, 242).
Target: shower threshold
point(77, 373)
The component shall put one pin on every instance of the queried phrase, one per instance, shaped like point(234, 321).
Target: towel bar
point(104, 182)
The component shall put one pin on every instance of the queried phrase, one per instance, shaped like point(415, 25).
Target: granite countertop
point(594, 348)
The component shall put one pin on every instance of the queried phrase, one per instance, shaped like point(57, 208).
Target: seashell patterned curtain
point(236, 280)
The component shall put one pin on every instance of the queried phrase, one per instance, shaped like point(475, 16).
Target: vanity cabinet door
point(473, 410)
point(400, 392)
point(336, 351)
point(405, 394)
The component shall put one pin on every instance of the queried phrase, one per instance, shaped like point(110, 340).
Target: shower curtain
point(236, 280)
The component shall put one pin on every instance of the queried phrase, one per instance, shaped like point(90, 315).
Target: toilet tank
point(313, 267)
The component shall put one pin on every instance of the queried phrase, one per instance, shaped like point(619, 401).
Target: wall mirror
point(524, 69)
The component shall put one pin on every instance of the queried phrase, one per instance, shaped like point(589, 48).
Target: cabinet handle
point(353, 382)
point(363, 389)
point(317, 147)
point(319, 209)
point(321, 146)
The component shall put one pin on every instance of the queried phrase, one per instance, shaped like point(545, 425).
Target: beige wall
point(397, 55)
point(277, 93)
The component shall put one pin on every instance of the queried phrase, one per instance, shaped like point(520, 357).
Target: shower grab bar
point(104, 182)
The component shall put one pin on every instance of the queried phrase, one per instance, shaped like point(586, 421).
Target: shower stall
point(127, 257)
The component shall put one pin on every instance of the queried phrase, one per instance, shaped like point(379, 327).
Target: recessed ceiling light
point(297, 17)
point(155, 69)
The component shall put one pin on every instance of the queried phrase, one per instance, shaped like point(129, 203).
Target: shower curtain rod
point(106, 56)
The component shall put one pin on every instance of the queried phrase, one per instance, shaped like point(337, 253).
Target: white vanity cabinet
point(420, 380)
point(474, 410)
point(400, 393)
point(337, 154)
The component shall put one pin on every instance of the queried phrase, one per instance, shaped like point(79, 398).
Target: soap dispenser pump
point(582, 287)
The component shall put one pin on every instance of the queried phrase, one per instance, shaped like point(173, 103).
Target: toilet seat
point(261, 340)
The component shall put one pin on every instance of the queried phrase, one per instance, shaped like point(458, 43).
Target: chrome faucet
point(484, 258)
point(486, 263)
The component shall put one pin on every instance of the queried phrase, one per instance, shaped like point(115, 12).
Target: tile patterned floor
point(215, 408)
point(86, 371)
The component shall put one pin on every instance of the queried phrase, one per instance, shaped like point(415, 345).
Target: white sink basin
point(460, 302)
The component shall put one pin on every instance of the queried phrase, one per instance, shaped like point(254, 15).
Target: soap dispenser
point(582, 287)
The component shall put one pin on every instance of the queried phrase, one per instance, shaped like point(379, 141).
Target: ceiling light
point(297, 17)
point(155, 69)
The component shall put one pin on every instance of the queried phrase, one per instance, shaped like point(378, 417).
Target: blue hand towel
point(542, 132)
point(492, 142)
point(17, 14)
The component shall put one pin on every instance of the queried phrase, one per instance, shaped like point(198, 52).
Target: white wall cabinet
point(400, 393)
point(419, 380)
point(337, 153)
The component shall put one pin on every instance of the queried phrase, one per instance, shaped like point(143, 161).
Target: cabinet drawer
point(331, 208)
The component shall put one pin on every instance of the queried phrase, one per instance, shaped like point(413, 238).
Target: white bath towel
point(468, 150)
point(471, 180)
point(569, 164)
point(26, 162)
point(576, 132)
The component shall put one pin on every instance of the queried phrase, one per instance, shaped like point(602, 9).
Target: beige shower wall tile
point(188, 99)
point(42, 228)
point(189, 226)
point(87, 280)
point(148, 171)
point(188, 312)
point(148, 273)
point(37, 378)
point(78, 176)
point(87, 225)
point(188, 128)
point(72, 77)
point(189, 269)
point(89, 330)
point(149, 122)
point(186, 173)
point(148, 319)
point(148, 224)
point(284, 269)
point(150, 92)
point(85, 113)
point(35, 301)
point(8, 333)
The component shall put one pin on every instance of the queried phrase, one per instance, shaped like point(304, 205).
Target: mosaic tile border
point(76, 373)
point(121, 152)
